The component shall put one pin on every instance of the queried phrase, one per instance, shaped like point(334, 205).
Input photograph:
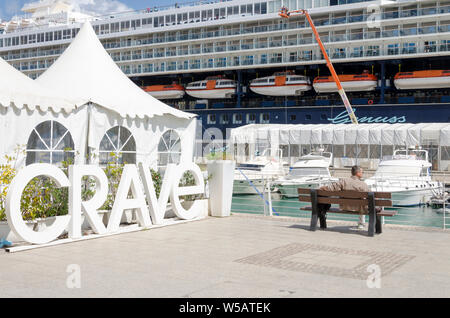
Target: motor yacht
point(310, 171)
point(406, 175)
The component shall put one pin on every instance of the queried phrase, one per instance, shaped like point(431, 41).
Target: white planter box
point(221, 186)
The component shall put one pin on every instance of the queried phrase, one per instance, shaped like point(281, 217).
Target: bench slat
point(336, 210)
point(351, 194)
point(351, 202)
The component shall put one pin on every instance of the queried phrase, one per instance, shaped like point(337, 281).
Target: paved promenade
point(239, 256)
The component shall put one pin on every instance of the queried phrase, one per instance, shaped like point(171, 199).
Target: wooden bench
point(371, 200)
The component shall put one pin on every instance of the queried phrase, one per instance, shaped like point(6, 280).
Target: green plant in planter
point(157, 181)
point(113, 171)
point(42, 198)
point(219, 155)
point(188, 180)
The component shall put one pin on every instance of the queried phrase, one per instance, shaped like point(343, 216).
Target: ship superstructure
point(243, 40)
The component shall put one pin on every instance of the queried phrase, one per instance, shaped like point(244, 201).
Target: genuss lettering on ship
point(342, 118)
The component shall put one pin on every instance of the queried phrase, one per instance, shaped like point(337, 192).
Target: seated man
point(352, 183)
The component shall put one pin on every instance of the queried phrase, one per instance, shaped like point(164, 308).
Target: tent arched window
point(169, 148)
point(50, 142)
point(117, 145)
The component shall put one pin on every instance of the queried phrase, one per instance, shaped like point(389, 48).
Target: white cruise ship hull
point(211, 93)
point(351, 86)
point(286, 90)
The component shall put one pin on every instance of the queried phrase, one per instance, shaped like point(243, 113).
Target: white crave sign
point(130, 181)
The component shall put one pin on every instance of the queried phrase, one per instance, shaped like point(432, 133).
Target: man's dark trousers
point(322, 211)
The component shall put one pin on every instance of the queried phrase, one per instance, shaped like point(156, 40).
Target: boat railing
point(400, 181)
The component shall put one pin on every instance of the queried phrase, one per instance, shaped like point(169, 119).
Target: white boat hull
point(211, 93)
point(350, 86)
point(244, 187)
point(285, 90)
point(425, 82)
point(411, 198)
point(173, 94)
point(290, 189)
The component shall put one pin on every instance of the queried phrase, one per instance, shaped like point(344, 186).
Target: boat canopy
point(351, 144)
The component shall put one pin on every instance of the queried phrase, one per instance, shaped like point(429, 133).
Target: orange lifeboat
point(212, 87)
point(350, 83)
point(422, 79)
point(172, 91)
point(281, 84)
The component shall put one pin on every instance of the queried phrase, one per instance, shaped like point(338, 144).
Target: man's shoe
point(360, 226)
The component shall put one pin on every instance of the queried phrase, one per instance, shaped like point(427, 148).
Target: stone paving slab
point(239, 256)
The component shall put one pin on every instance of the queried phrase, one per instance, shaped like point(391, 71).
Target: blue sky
point(9, 8)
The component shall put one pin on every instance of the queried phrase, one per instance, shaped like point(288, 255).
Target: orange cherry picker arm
point(285, 13)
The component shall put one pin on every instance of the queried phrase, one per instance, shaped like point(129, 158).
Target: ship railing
point(292, 25)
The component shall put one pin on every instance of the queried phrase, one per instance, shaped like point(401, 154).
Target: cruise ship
point(238, 62)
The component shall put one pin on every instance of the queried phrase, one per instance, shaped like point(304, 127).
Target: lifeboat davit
point(212, 88)
point(422, 79)
point(172, 91)
point(350, 82)
point(281, 84)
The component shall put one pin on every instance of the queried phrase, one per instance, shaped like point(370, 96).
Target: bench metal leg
point(372, 214)
point(315, 210)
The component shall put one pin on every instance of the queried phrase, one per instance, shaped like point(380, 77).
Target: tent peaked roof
point(85, 70)
point(21, 91)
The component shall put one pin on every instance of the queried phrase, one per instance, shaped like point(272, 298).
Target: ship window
point(271, 80)
point(264, 118)
point(58, 35)
point(117, 145)
point(40, 37)
point(50, 142)
point(293, 117)
point(145, 22)
point(237, 119)
point(169, 148)
point(251, 118)
point(124, 26)
point(257, 8)
point(66, 34)
point(115, 27)
point(211, 119)
point(48, 36)
point(308, 117)
point(263, 7)
point(225, 119)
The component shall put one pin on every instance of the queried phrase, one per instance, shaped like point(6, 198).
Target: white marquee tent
point(102, 110)
point(363, 144)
